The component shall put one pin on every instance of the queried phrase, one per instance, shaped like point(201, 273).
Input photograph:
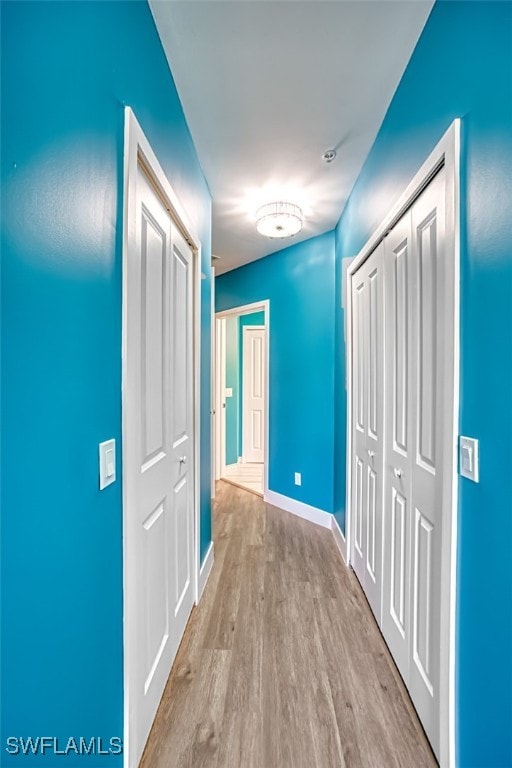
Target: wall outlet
point(298, 478)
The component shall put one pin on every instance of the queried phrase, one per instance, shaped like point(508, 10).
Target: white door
point(399, 275)
point(430, 449)
point(367, 428)
point(254, 355)
point(416, 446)
point(159, 467)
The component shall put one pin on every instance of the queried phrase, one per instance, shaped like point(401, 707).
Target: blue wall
point(67, 71)
point(232, 381)
point(462, 67)
point(299, 283)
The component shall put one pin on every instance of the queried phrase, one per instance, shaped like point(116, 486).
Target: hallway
point(282, 664)
point(247, 475)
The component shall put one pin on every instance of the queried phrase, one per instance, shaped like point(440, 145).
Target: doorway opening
point(241, 396)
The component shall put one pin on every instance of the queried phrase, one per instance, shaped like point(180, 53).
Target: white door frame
point(248, 309)
point(447, 154)
point(245, 329)
point(138, 150)
point(213, 379)
point(220, 386)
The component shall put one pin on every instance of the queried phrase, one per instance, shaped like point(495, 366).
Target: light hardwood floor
point(246, 475)
point(282, 664)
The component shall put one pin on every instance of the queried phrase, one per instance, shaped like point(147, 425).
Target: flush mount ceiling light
point(279, 220)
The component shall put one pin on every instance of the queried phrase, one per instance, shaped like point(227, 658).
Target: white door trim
point(220, 386)
point(447, 154)
point(339, 538)
point(138, 150)
point(213, 375)
point(248, 309)
point(206, 568)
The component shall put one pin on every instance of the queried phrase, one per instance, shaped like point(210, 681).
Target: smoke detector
point(329, 156)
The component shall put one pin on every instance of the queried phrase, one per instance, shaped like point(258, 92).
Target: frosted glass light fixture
point(279, 220)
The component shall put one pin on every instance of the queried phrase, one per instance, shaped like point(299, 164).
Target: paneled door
point(399, 274)
point(254, 362)
point(367, 428)
point(159, 465)
point(418, 247)
point(416, 446)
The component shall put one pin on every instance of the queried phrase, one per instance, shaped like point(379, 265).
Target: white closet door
point(359, 416)
point(367, 485)
point(158, 466)
point(182, 437)
point(399, 272)
point(429, 335)
point(415, 339)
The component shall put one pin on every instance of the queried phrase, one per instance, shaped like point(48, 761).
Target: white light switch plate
point(469, 459)
point(107, 456)
point(298, 478)
point(229, 392)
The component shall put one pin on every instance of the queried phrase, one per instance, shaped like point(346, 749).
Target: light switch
point(109, 461)
point(466, 453)
point(468, 458)
point(229, 392)
point(107, 456)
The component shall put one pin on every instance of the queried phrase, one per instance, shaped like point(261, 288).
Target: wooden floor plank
point(246, 475)
point(282, 664)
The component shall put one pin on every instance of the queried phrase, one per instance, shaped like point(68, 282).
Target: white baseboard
point(205, 571)
point(339, 538)
point(313, 514)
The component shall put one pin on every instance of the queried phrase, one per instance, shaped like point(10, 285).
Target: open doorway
point(241, 401)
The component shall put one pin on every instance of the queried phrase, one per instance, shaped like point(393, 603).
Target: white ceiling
point(267, 87)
